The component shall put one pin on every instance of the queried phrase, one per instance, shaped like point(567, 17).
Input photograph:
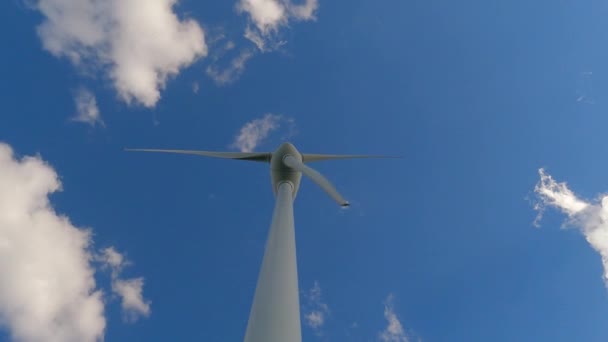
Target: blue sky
point(477, 96)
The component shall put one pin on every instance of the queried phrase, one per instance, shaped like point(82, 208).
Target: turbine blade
point(321, 181)
point(309, 157)
point(251, 156)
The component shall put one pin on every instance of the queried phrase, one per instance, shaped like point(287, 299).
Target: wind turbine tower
point(275, 312)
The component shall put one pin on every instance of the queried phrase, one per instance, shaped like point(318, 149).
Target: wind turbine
point(275, 312)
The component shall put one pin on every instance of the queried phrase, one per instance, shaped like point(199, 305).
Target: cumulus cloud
point(139, 44)
point(266, 17)
point(232, 72)
point(86, 108)
point(316, 310)
point(255, 131)
point(394, 330)
point(48, 292)
point(129, 290)
point(590, 217)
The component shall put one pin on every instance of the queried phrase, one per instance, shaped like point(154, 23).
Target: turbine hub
point(280, 172)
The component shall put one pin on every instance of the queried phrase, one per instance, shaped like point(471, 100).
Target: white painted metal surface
point(275, 313)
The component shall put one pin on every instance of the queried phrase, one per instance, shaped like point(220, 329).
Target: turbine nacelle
point(280, 172)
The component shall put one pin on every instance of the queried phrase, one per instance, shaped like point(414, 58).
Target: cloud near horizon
point(590, 217)
point(48, 291)
point(138, 44)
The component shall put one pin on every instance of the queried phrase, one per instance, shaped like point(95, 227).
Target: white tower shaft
point(275, 313)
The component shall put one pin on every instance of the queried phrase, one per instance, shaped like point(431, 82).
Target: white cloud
point(232, 72)
point(591, 218)
point(47, 292)
point(558, 195)
point(305, 11)
point(139, 43)
point(255, 37)
point(86, 107)
point(255, 131)
point(133, 303)
point(316, 310)
point(112, 258)
point(394, 330)
point(315, 319)
point(266, 17)
point(223, 50)
point(129, 290)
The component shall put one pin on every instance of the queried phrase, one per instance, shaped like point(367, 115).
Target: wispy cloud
point(394, 330)
point(590, 217)
point(316, 311)
point(138, 44)
point(232, 72)
point(266, 17)
point(86, 108)
point(305, 11)
point(48, 291)
point(129, 290)
point(226, 63)
point(255, 131)
point(265, 20)
point(584, 88)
